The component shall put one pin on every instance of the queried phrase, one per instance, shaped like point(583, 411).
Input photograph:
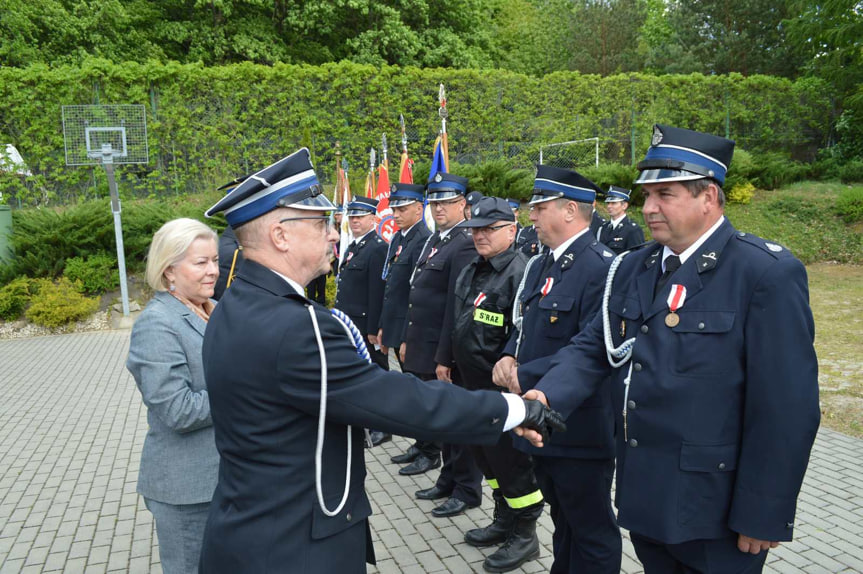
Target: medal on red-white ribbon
point(675, 301)
point(549, 281)
point(399, 251)
point(431, 254)
point(479, 299)
point(349, 257)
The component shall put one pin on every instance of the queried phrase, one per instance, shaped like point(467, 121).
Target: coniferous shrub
point(60, 303)
point(14, 297)
point(96, 273)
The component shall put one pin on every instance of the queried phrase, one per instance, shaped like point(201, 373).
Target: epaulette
point(651, 243)
point(773, 249)
point(602, 250)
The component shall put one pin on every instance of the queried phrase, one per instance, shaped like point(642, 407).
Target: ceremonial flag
point(439, 163)
point(406, 170)
point(345, 235)
point(385, 225)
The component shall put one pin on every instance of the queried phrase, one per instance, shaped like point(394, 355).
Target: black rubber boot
point(521, 545)
point(496, 532)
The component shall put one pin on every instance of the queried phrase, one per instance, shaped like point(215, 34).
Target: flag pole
point(443, 113)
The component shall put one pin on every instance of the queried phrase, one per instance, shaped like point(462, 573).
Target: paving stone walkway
point(71, 430)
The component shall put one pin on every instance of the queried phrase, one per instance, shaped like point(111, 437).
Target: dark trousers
point(719, 556)
point(317, 289)
point(378, 357)
point(428, 449)
point(461, 474)
point(586, 536)
point(512, 469)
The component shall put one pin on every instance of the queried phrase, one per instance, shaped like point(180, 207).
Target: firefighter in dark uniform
point(596, 222)
point(283, 374)
point(470, 200)
point(406, 201)
point(708, 335)
point(230, 254)
point(526, 239)
point(619, 233)
point(360, 291)
point(561, 294)
point(482, 310)
point(447, 251)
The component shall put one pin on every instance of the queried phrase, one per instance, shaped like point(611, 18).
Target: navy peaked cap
point(554, 183)
point(405, 194)
point(290, 182)
point(676, 154)
point(362, 206)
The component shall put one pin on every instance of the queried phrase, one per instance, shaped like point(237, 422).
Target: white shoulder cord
point(322, 417)
point(619, 355)
point(414, 272)
point(517, 317)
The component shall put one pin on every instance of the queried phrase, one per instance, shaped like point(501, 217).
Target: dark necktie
point(672, 264)
point(546, 264)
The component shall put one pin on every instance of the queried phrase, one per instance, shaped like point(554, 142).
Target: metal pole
point(597, 152)
point(540, 156)
point(108, 162)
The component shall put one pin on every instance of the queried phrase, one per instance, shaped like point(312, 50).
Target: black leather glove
point(542, 419)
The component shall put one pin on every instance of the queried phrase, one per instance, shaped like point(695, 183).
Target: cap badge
point(657, 136)
point(438, 177)
point(476, 211)
point(393, 188)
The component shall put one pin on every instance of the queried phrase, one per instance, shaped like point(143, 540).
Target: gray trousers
point(180, 529)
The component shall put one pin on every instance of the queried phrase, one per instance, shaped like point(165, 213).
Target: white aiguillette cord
point(617, 356)
point(357, 339)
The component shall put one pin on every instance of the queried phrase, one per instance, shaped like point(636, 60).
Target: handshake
point(539, 423)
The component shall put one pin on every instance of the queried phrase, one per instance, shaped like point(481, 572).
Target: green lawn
point(836, 296)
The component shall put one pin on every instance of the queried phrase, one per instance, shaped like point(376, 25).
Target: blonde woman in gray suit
point(179, 462)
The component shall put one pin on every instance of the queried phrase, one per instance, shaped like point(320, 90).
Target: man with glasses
point(290, 394)
point(482, 322)
point(562, 293)
point(360, 291)
point(445, 253)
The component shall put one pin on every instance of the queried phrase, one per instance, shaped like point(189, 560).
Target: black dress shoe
point(420, 465)
point(452, 507)
point(379, 437)
point(433, 493)
point(409, 455)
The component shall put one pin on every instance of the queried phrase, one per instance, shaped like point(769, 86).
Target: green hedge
point(44, 240)
point(207, 125)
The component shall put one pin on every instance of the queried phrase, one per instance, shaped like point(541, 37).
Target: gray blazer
point(179, 462)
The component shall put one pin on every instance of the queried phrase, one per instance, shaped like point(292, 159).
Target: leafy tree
point(724, 36)
point(605, 36)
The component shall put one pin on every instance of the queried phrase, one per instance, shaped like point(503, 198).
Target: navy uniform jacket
point(548, 323)
point(403, 254)
point(722, 408)
point(361, 289)
point(596, 221)
point(228, 244)
point(428, 326)
point(527, 242)
point(262, 369)
point(627, 235)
